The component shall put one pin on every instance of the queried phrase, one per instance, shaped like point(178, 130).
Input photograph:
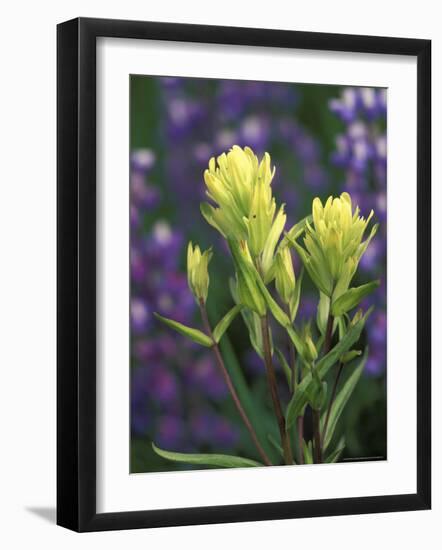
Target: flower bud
point(310, 351)
point(197, 271)
point(284, 275)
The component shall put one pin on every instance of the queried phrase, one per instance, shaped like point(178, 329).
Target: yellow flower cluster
point(334, 246)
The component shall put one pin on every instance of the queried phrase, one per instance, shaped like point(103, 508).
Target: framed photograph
point(243, 274)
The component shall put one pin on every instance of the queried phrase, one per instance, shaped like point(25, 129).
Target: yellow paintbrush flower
point(197, 271)
point(333, 245)
point(240, 186)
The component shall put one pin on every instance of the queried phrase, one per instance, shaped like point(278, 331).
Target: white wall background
point(27, 273)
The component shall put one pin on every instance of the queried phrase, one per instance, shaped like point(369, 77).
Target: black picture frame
point(77, 287)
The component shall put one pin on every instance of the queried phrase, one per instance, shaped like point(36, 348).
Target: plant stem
point(271, 380)
point(294, 370)
point(328, 334)
point(317, 414)
point(300, 429)
point(332, 399)
point(317, 429)
point(228, 380)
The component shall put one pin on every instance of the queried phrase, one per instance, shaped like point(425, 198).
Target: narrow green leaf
point(192, 333)
point(341, 399)
point(341, 326)
point(351, 298)
point(248, 292)
point(350, 355)
point(277, 312)
point(322, 312)
point(257, 288)
point(299, 400)
point(224, 324)
point(307, 450)
point(285, 366)
point(253, 324)
point(294, 232)
point(334, 456)
point(296, 339)
point(294, 302)
point(251, 320)
point(220, 461)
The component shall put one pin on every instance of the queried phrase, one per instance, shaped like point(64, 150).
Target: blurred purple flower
point(361, 151)
point(140, 314)
point(170, 432)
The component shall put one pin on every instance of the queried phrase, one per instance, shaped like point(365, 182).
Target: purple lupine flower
point(170, 432)
point(204, 377)
point(164, 386)
point(224, 435)
point(140, 314)
point(142, 160)
point(142, 194)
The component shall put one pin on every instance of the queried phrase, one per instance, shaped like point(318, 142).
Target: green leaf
point(349, 356)
point(253, 324)
point(334, 456)
point(341, 399)
point(316, 393)
point(257, 288)
point(322, 312)
point(296, 339)
point(295, 231)
point(299, 400)
point(307, 450)
point(352, 297)
point(251, 320)
point(294, 302)
point(277, 312)
point(192, 333)
point(341, 326)
point(220, 461)
point(248, 293)
point(285, 366)
point(224, 324)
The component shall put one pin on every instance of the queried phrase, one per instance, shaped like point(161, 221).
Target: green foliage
point(225, 322)
point(341, 399)
point(248, 293)
point(294, 302)
point(335, 455)
point(285, 367)
point(215, 460)
point(300, 399)
point(351, 298)
point(307, 449)
point(251, 320)
point(192, 333)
